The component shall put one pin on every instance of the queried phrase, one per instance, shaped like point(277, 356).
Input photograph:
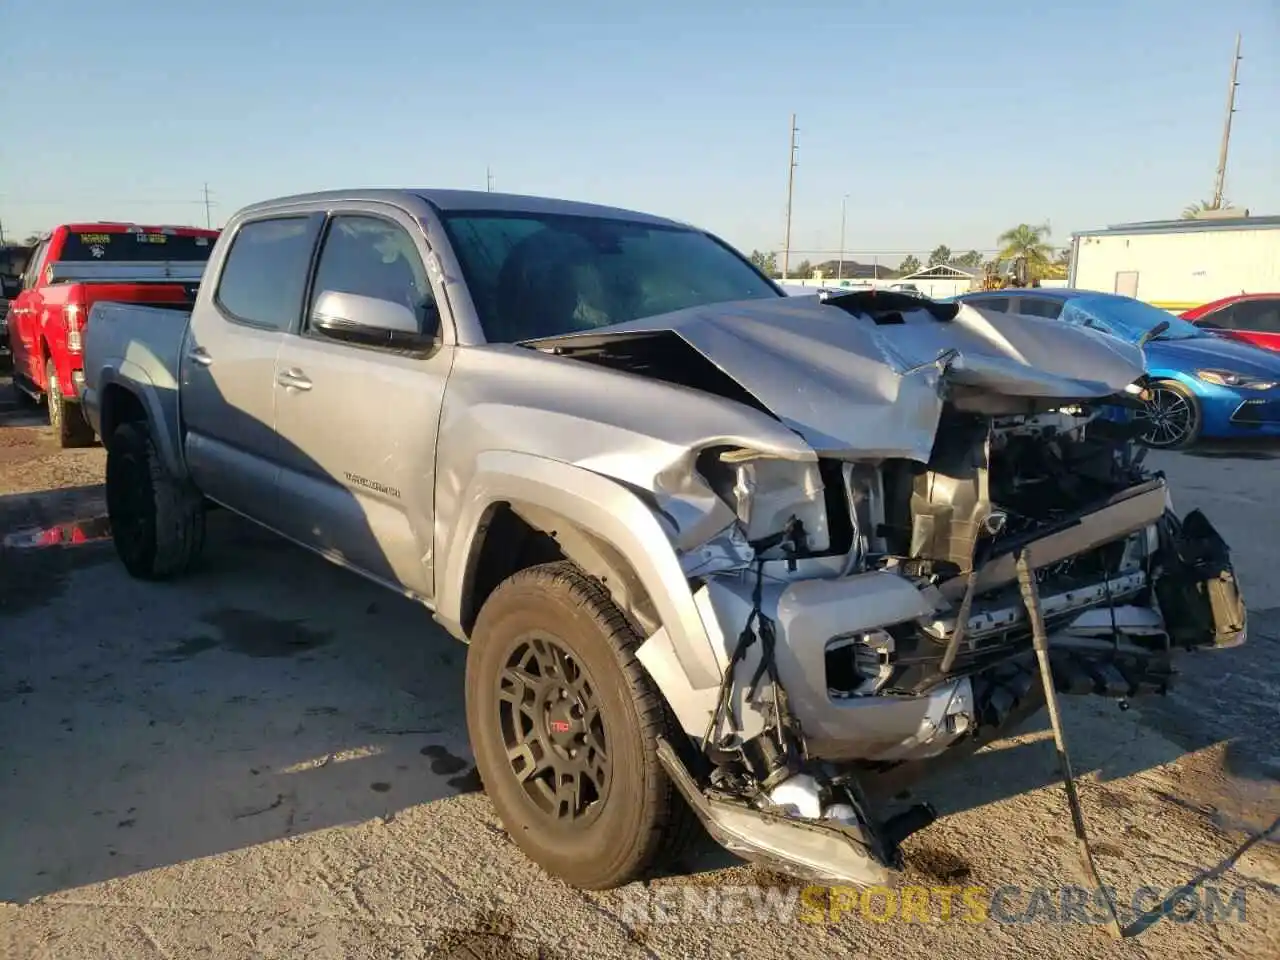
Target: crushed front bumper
point(1109, 636)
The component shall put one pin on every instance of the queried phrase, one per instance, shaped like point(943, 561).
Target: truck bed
point(128, 343)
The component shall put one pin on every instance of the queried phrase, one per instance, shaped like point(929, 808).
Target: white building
point(1179, 264)
point(944, 280)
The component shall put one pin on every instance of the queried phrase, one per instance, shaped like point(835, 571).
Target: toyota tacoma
point(719, 554)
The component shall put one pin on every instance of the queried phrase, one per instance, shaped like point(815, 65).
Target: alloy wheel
point(1169, 416)
point(553, 731)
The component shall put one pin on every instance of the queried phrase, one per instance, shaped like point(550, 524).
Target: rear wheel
point(65, 416)
point(1172, 417)
point(25, 399)
point(157, 521)
point(563, 721)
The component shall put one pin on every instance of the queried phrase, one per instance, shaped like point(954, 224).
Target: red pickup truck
point(74, 266)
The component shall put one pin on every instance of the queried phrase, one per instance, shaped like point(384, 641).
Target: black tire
point(157, 522)
point(65, 416)
point(638, 820)
point(1174, 417)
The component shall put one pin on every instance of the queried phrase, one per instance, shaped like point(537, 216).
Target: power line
point(208, 217)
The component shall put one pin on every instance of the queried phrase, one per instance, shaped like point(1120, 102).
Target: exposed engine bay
point(876, 607)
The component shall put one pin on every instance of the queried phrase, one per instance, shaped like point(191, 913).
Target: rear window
point(120, 247)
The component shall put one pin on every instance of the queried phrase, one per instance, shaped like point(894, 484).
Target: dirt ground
point(268, 759)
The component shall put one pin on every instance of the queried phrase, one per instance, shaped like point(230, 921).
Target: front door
point(229, 362)
point(1258, 321)
point(24, 321)
point(357, 424)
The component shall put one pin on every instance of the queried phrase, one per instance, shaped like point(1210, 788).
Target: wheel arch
point(128, 396)
point(521, 509)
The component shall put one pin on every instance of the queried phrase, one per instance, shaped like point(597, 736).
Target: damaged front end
point(865, 605)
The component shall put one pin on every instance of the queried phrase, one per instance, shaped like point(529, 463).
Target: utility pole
point(208, 216)
point(791, 180)
point(488, 179)
point(844, 201)
point(1220, 181)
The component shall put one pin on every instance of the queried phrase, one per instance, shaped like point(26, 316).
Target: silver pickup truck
point(719, 554)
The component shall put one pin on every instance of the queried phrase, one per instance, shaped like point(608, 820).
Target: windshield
point(118, 246)
point(544, 275)
point(1129, 319)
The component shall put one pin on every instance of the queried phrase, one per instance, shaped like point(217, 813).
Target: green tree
point(941, 254)
point(1024, 240)
point(1192, 210)
point(971, 259)
point(766, 263)
point(803, 270)
point(31, 240)
point(910, 264)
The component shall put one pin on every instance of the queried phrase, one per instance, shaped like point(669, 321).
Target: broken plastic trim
point(818, 851)
point(887, 307)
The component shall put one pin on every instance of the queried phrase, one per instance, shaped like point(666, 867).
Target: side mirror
point(374, 322)
point(1154, 332)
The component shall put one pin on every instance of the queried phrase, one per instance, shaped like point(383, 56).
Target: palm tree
point(1027, 241)
point(1193, 210)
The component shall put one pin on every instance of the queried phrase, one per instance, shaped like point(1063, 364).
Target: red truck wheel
point(66, 418)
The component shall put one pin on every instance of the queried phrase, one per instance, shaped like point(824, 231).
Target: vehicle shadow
point(1245, 449)
point(270, 694)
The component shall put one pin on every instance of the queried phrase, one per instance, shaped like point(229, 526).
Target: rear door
point(358, 423)
point(228, 370)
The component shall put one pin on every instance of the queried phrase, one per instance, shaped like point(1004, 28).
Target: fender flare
point(162, 417)
point(595, 504)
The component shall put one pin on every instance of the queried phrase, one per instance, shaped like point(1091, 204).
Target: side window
point(1223, 318)
point(994, 304)
point(1072, 313)
point(1031, 306)
point(372, 257)
point(265, 274)
point(1260, 315)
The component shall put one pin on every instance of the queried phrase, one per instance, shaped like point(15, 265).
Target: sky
point(940, 122)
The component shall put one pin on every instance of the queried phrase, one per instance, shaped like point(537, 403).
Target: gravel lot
point(269, 760)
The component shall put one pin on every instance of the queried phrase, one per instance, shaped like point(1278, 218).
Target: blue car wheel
point(1173, 416)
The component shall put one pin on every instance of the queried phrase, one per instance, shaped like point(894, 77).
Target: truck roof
point(446, 200)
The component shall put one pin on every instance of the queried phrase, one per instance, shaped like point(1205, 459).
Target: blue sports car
point(1205, 386)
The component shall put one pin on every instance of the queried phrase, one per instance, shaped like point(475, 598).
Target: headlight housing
point(766, 492)
point(1240, 381)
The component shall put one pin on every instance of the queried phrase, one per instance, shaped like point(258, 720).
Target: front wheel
point(1172, 418)
point(563, 721)
point(157, 521)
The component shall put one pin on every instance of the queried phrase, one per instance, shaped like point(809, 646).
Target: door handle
point(293, 379)
point(199, 355)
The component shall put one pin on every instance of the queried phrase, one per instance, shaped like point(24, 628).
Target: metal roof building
point(1179, 264)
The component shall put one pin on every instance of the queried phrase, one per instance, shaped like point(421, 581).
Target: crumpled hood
point(851, 384)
